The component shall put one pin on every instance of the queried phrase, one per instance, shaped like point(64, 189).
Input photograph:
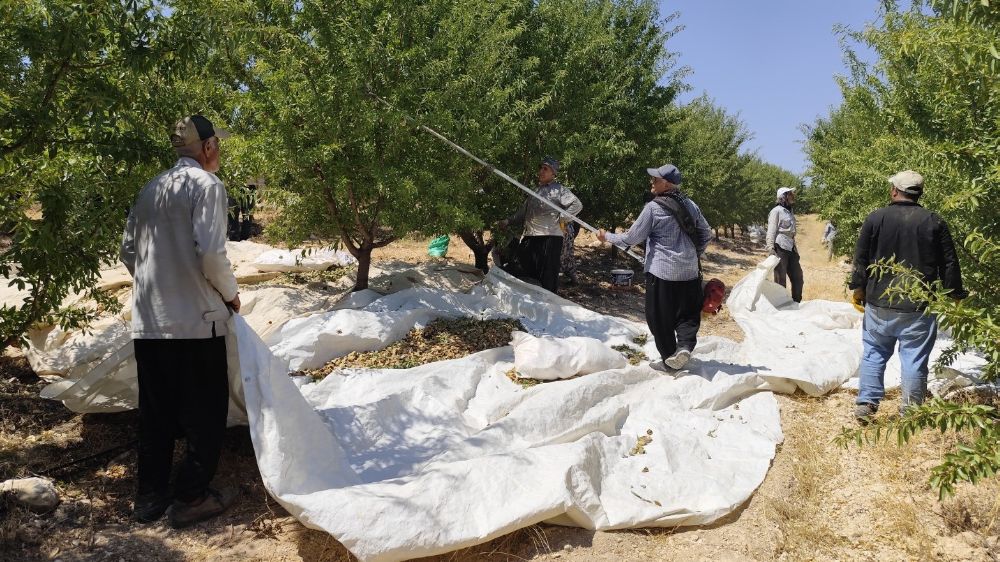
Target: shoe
point(678, 359)
point(660, 366)
point(214, 502)
point(864, 413)
point(150, 509)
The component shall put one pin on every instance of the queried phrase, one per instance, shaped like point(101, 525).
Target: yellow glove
point(858, 300)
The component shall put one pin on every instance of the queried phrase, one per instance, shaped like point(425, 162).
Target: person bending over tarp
point(541, 247)
point(676, 233)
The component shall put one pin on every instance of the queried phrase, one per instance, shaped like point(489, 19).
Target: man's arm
point(702, 229)
point(949, 270)
point(518, 217)
point(127, 251)
point(862, 257)
point(570, 202)
point(636, 233)
point(209, 219)
point(772, 230)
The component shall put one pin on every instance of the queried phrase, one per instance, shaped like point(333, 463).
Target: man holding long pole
point(541, 247)
point(676, 233)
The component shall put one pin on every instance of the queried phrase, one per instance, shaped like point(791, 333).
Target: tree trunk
point(12, 334)
point(476, 241)
point(364, 257)
point(716, 229)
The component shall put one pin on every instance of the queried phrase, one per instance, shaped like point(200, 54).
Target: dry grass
point(966, 512)
point(798, 513)
point(522, 544)
point(872, 502)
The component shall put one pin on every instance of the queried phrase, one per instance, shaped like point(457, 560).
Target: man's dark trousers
point(673, 313)
point(790, 267)
point(183, 392)
point(540, 259)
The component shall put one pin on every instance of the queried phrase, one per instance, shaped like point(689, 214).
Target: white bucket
point(621, 277)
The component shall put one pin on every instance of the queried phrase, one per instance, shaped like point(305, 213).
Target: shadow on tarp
point(393, 454)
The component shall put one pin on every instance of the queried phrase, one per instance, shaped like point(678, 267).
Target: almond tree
point(328, 87)
point(88, 91)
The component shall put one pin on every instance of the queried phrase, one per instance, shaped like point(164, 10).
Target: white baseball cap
point(783, 190)
point(908, 181)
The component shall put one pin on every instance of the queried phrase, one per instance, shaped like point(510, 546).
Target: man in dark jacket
point(919, 239)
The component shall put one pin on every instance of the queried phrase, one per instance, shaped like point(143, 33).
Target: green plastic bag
point(438, 248)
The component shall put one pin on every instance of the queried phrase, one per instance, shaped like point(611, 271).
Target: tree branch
point(365, 233)
point(46, 98)
point(331, 204)
point(385, 242)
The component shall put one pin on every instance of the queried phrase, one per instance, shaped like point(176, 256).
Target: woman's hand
point(601, 235)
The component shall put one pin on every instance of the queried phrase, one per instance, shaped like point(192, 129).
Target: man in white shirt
point(781, 242)
point(184, 288)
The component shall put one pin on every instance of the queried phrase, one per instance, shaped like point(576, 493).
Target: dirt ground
point(818, 501)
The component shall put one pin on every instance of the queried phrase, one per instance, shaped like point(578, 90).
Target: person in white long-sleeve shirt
point(781, 242)
point(184, 288)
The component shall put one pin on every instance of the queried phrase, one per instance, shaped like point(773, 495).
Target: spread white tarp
point(817, 344)
point(404, 463)
point(298, 260)
point(241, 255)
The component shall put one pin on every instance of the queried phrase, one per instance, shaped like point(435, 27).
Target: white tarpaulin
point(404, 463)
point(817, 344)
point(299, 260)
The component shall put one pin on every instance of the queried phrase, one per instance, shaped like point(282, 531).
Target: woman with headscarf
point(781, 242)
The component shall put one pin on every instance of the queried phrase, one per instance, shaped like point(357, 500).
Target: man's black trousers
point(183, 392)
point(673, 313)
point(791, 268)
point(539, 257)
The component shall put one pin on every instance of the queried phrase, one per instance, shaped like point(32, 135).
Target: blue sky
point(771, 61)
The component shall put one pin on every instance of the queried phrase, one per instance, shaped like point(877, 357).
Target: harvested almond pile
point(525, 382)
point(442, 339)
point(304, 278)
point(634, 355)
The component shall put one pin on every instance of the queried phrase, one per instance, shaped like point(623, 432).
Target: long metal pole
point(500, 173)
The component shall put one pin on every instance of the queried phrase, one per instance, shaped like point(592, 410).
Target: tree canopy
point(89, 91)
